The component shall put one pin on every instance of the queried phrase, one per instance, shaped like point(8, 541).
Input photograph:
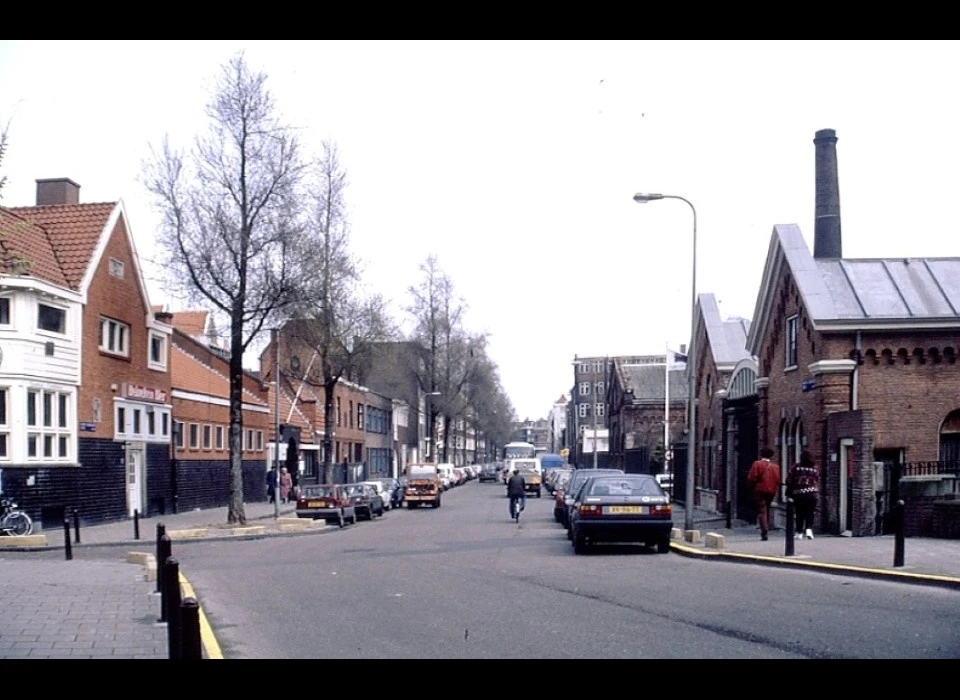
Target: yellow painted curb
point(187, 534)
point(207, 637)
point(253, 530)
point(294, 527)
point(23, 541)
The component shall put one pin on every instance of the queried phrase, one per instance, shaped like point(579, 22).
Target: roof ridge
point(221, 375)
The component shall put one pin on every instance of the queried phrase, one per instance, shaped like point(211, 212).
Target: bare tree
point(3, 150)
point(334, 318)
point(230, 223)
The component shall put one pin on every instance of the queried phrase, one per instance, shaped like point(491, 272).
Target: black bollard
point(67, 549)
point(171, 602)
point(76, 526)
point(136, 524)
point(161, 532)
point(190, 647)
point(164, 550)
point(788, 544)
point(898, 543)
point(729, 515)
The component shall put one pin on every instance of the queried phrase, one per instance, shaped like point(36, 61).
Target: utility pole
point(276, 424)
point(596, 394)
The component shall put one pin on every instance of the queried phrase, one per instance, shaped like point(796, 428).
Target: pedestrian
point(271, 485)
point(803, 486)
point(764, 479)
point(286, 483)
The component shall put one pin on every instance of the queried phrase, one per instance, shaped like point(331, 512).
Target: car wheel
point(570, 534)
point(579, 544)
point(663, 546)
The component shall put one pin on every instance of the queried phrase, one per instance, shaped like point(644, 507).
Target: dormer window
point(114, 337)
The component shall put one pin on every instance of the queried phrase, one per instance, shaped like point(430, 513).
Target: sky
point(515, 163)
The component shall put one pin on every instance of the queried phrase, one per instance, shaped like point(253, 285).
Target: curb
point(208, 639)
point(950, 582)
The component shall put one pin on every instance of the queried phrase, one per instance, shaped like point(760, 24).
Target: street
point(465, 581)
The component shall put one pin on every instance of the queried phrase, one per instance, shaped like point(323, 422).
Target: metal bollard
point(171, 603)
point(788, 544)
point(76, 526)
point(136, 524)
point(729, 515)
point(898, 542)
point(161, 554)
point(67, 549)
point(190, 646)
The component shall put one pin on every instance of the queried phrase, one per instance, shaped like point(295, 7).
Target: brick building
point(85, 413)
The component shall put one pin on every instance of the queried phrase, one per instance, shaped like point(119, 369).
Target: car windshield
point(354, 490)
point(635, 486)
point(429, 473)
point(580, 476)
point(318, 491)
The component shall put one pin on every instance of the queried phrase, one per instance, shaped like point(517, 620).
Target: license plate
point(316, 504)
point(627, 510)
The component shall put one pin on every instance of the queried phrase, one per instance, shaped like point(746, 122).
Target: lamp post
point(643, 198)
point(430, 456)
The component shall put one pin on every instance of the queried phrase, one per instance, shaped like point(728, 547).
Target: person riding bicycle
point(516, 490)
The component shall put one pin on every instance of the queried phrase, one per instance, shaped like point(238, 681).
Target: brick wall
point(206, 483)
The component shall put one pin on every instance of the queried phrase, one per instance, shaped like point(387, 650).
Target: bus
point(519, 450)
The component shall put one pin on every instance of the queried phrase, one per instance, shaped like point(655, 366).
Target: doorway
point(135, 478)
point(847, 473)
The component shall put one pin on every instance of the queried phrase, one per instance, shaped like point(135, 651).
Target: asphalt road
point(465, 581)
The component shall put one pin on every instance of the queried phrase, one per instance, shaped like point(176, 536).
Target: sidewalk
point(927, 561)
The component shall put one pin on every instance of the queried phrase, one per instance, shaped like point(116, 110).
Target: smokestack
point(826, 230)
point(60, 190)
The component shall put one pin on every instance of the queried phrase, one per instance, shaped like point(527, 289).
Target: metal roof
point(647, 383)
point(728, 339)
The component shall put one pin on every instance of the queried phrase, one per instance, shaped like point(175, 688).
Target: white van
point(445, 469)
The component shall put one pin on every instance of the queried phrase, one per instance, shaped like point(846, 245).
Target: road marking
point(207, 637)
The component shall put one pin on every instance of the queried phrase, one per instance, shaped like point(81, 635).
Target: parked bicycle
point(13, 521)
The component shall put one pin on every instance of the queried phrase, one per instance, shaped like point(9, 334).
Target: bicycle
point(516, 507)
point(12, 520)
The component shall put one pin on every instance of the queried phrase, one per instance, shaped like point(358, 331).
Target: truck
point(531, 471)
point(423, 486)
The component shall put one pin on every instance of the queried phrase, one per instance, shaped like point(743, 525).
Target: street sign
point(808, 385)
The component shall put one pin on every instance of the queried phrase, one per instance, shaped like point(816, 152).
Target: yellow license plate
point(627, 510)
point(316, 504)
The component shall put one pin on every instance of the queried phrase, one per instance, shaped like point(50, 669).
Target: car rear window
point(318, 491)
point(624, 487)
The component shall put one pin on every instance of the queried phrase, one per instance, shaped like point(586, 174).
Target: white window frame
point(8, 299)
point(51, 423)
point(259, 440)
point(598, 366)
point(193, 430)
point(206, 438)
point(584, 368)
point(598, 388)
point(123, 337)
point(181, 438)
point(600, 409)
point(218, 437)
point(116, 268)
point(584, 388)
point(161, 364)
point(248, 445)
point(5, 445)
point(793, 325)
point(582, 409)
point(66, 314)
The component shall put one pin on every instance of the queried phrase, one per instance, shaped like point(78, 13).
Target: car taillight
point(661, 510)
point(590, 509)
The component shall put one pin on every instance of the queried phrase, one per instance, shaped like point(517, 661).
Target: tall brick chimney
point(826, 230)
point(58, 190)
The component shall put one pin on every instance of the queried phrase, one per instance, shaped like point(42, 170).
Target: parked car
point(394, 489)
point(381, 491)
point(624, 508)
point(366, 500)
point(576, 481)
point(327, 501)
point(489, 472)
point(666, 483)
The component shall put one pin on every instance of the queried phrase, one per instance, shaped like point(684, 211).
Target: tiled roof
point(188, 372)
point(728, 338)
point(19, 237)
point(192, 323)
point(647, 383)
point(73, 230)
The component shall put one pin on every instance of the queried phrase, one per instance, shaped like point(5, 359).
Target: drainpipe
point(855, 377)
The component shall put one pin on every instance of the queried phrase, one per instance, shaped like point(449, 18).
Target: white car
point(382, 491)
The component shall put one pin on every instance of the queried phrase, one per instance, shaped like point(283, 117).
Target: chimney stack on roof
point(59, 190)
point(826, 230)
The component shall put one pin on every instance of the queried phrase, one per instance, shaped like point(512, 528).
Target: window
point(584, 388)
point(218, 439)
point(598, 388)
point(600, 410)
point(791, 349)
point(194, 436)
point(178, 434)
point(4, 426)
point(339, 415)
point(259, 439)
point(207, 436)
point(151, 422)
point(165, 424)
point(48, 418)
point(137, 430)
point(360, 422)
point(4, 311)
point(584, 368)
point(52, 319)
point(114, 337)
point(249, 440)
point(582, 409)
point(116, 268)
point(598, 366)
point(158, 351)
point(350, 415)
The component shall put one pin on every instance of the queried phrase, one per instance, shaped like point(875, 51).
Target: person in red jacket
point(764, 479)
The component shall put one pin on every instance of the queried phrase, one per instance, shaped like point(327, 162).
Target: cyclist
point(516, 491)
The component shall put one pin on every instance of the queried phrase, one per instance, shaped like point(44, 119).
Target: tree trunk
point(327, 476)
point(235, 511)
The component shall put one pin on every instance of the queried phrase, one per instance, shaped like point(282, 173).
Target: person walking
point(286, 484)
point(764, 479)
point(271, 484)
point(803, 486)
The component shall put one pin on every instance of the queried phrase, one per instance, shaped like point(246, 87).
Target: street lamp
point(643, 198)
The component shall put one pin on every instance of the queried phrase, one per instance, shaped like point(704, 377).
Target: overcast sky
point(516, 162)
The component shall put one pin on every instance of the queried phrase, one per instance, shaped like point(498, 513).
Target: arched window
point(950, 438)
